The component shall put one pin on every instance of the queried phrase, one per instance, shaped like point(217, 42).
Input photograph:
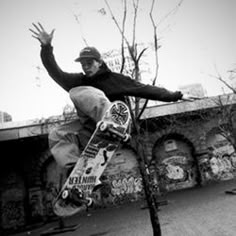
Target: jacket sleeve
point(64, 79)
point(131, 87)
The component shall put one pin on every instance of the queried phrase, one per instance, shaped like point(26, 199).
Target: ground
point(204, 211)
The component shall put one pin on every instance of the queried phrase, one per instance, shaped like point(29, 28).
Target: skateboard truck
point(77, 197)
point(103, 126)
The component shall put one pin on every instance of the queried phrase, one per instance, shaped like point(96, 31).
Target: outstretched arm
point(130, 87)
point(64, 79)
point(40, 33)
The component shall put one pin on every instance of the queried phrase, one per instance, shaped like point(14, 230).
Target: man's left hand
point(189, 97)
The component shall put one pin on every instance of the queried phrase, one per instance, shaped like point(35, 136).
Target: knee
point(54, 136)
point(85, 92)
point(57, 133)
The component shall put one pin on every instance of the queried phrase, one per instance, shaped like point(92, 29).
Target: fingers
point(191, 99)
point(32, 31)
point(36, 27)
point(188, 97)
point(35, 34)
point(39, 33)
point(195, 98)
point(52, 32)
point(41, 27)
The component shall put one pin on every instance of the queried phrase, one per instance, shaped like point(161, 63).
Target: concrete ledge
point(28, 128)
point(183, 106)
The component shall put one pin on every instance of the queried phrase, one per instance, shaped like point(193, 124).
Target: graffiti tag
point(126, 186)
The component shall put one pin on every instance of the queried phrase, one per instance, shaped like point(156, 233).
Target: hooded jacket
point(114, 85)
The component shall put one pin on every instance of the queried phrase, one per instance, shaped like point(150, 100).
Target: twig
point(135, 6)
point(114, 19)
point(174, 10)
point(224, 82)
point(122, 40)
point(83, 38)
point(156, 56)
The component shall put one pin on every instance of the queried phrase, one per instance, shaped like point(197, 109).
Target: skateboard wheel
point(126, 138)
point(65, 194)
point(103, 126)
point(90, 201)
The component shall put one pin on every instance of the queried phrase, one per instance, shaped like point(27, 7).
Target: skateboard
point(76, 194)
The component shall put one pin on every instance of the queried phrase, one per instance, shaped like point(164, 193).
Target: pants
point(66, 141)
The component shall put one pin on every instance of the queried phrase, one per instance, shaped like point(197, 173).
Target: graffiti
point(221, 161)
point(176, 168)
point(177, 172)
point(13, 214)
point(126, 190)
point(49, 195)
point(174, 172)
point(116, 191)
point(122, 199)
point(12, 208)
point(181, 159)
point(221, 166)
point(205, 169)
point(129, 185)
point(36, 206)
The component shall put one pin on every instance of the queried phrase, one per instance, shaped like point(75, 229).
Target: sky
point(197, 43)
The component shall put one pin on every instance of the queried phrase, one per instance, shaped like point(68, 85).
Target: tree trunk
point(137, 144)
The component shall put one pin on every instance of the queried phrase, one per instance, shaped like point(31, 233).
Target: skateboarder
point(91, 93)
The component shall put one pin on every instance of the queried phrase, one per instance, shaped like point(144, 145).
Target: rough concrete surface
point(201, 211)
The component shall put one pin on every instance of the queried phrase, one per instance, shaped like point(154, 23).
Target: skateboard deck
point(76, 193)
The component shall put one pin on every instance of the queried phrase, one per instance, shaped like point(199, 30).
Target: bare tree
point(136, 53)
point(227, 116)
point(137, 141)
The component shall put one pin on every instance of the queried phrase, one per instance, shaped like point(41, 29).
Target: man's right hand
point(40, 34)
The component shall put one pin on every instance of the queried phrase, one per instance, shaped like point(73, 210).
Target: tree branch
point(114, 19)
point(173, 11)
point(135, 6)
point(83, 38)
point(122, 40)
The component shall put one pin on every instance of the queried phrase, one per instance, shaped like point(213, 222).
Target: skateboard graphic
point(76, 193)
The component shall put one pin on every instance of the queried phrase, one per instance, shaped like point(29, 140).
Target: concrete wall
point(184, 151)
point(12, 202)
point(121, 183)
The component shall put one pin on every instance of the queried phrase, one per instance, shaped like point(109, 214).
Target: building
point(5, 117)
point(183, 142)
point(194, 89)
point(113, 59)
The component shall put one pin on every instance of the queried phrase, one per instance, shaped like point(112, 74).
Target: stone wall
point(12, 202)
point(183, 153)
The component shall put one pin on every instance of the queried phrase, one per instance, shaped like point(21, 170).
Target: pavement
point(200, 211)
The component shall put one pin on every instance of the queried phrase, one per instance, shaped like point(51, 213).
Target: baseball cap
point(89, 52)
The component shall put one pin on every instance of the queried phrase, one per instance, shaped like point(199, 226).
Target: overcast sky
point(196, 41)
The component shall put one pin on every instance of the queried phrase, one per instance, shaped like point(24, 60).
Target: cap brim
point(85, 57)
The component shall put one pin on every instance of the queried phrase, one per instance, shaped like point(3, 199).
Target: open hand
point(40, 34)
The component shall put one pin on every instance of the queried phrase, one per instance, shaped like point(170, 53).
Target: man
point(91, 93)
